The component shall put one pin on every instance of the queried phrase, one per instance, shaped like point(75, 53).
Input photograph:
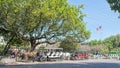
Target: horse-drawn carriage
point(54, 54)
point(43, 55)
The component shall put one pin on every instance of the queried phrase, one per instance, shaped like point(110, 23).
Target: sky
point(99, 14)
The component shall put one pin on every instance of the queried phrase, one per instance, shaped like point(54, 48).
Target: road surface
point(71, 64)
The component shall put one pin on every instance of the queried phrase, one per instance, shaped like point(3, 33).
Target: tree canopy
point(115, 5)
point(41, 21)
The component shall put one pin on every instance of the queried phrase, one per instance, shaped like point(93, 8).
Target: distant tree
point(112, 42)
point(109, 42)
point(95, 42)
point(98, 48)
point(70, 44)
point(116, 41)
point(41, 21)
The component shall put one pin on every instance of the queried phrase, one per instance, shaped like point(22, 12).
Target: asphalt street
point(78, 64)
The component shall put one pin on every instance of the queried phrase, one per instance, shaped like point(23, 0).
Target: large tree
point(41, 21)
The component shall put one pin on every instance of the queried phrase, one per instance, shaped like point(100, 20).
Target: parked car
point(80, 55)
point(113, 55)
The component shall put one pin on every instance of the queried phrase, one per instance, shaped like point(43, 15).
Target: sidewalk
point(6, 60)
point(69, 61)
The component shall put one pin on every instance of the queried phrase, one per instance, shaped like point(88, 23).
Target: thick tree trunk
point(33, 45)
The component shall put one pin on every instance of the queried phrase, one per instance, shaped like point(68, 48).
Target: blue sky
point(99, 14)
